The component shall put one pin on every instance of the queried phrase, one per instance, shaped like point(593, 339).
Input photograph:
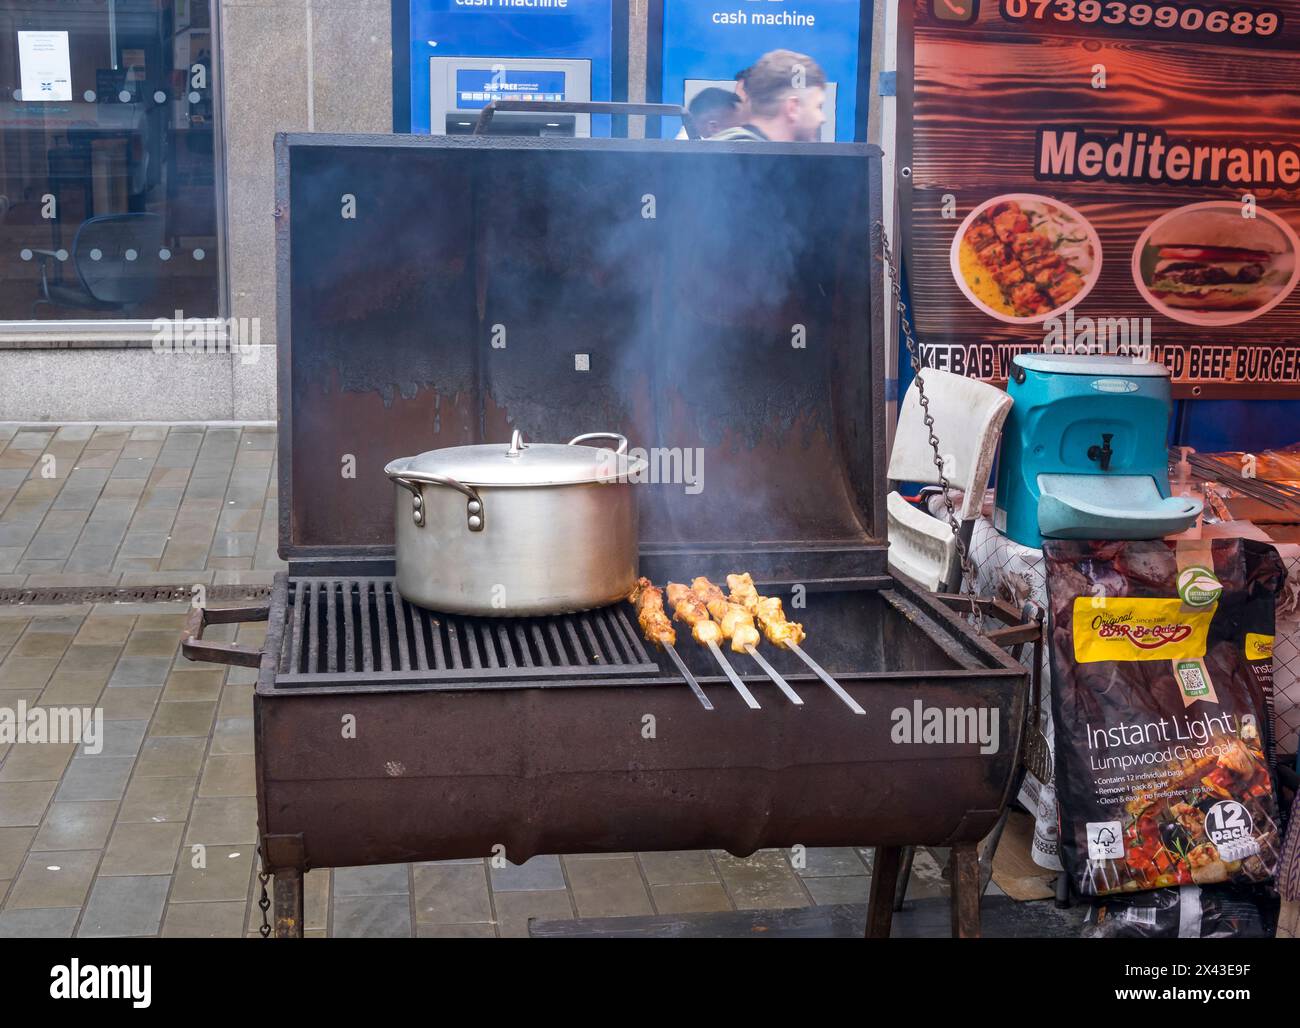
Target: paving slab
point(175, 757)
point(456, 894)
point(77, 825)
point(764, 880)
point(372, 917)
point(36, 762)
point(142, 849)
point(58, 878)
point(514, 909)
point(39, 923)
point(95, 778)
point(156, 800)
point(539, 874)
point(380, 880)
point(204, 920)
point(124, 907)
point(225, 820)
point(214, 873)
point(14, 843)
point(23, 803)
point(690, 898)
point(681, 867)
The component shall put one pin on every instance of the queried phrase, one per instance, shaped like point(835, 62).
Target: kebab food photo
point(1023, 258)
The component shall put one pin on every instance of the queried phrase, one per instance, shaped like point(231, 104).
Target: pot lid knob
point(517, 444)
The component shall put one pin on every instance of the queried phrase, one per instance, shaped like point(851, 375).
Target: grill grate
point(339, 629)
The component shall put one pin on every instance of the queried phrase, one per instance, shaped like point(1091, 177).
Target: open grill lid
point(718, 304)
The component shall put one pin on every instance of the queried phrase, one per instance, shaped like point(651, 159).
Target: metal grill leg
point(1062, 891)
point(990, 850)
point(965, 884)
point(288, 904)
point(884, 885)
point(904, 876)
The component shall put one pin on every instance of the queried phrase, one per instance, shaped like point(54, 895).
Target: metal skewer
point(773, 674)
point(835, 686)
point(690, 678)
point(745, 694)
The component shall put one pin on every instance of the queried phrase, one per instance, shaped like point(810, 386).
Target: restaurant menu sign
point(1105, 176)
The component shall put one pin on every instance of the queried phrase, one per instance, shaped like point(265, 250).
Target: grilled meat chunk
point(711, 595)
point(690, 609)
point(649, 603)
point(743, 591)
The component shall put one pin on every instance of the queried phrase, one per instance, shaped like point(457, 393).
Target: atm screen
point(476, 87)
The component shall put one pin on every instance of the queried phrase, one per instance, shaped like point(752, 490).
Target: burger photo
point(1213, 259)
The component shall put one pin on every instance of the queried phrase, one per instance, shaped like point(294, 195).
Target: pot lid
point(520, 463)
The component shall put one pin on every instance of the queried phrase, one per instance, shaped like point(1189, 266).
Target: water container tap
point(1103, 452)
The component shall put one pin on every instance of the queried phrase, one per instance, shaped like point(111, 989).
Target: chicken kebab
point(781, 632)
point(655, 626)
point(690, 608)
point(741, 617)
point(736, 622)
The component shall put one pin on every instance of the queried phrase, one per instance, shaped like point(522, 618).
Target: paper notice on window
point(45, 67)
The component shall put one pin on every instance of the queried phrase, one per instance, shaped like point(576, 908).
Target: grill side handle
point(194, 647)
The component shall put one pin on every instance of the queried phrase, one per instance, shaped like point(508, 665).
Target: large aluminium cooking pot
point(535, 528)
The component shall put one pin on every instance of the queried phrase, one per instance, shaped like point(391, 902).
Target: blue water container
point(1083, 451)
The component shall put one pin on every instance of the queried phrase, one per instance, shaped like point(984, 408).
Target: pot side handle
point(622, 439)
point(399, 471)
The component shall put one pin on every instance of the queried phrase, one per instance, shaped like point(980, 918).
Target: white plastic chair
point(968, 417)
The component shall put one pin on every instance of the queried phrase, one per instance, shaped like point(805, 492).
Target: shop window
point(108, 186)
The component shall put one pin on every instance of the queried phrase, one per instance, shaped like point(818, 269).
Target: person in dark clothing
point(715, 110)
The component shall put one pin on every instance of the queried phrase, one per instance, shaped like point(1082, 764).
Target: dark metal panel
point(828, 564)
point(283, 351)
point(387, 318)
point(569, 771)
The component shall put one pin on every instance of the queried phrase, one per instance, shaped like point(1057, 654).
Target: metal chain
point(968, 572)
point(264, 903)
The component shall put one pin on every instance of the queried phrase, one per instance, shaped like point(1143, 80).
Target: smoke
point(692, 296)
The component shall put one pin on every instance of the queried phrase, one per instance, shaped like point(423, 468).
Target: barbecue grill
point(722, 300)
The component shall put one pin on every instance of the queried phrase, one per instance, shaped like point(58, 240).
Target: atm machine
point(460, 87)
point(697, 86)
